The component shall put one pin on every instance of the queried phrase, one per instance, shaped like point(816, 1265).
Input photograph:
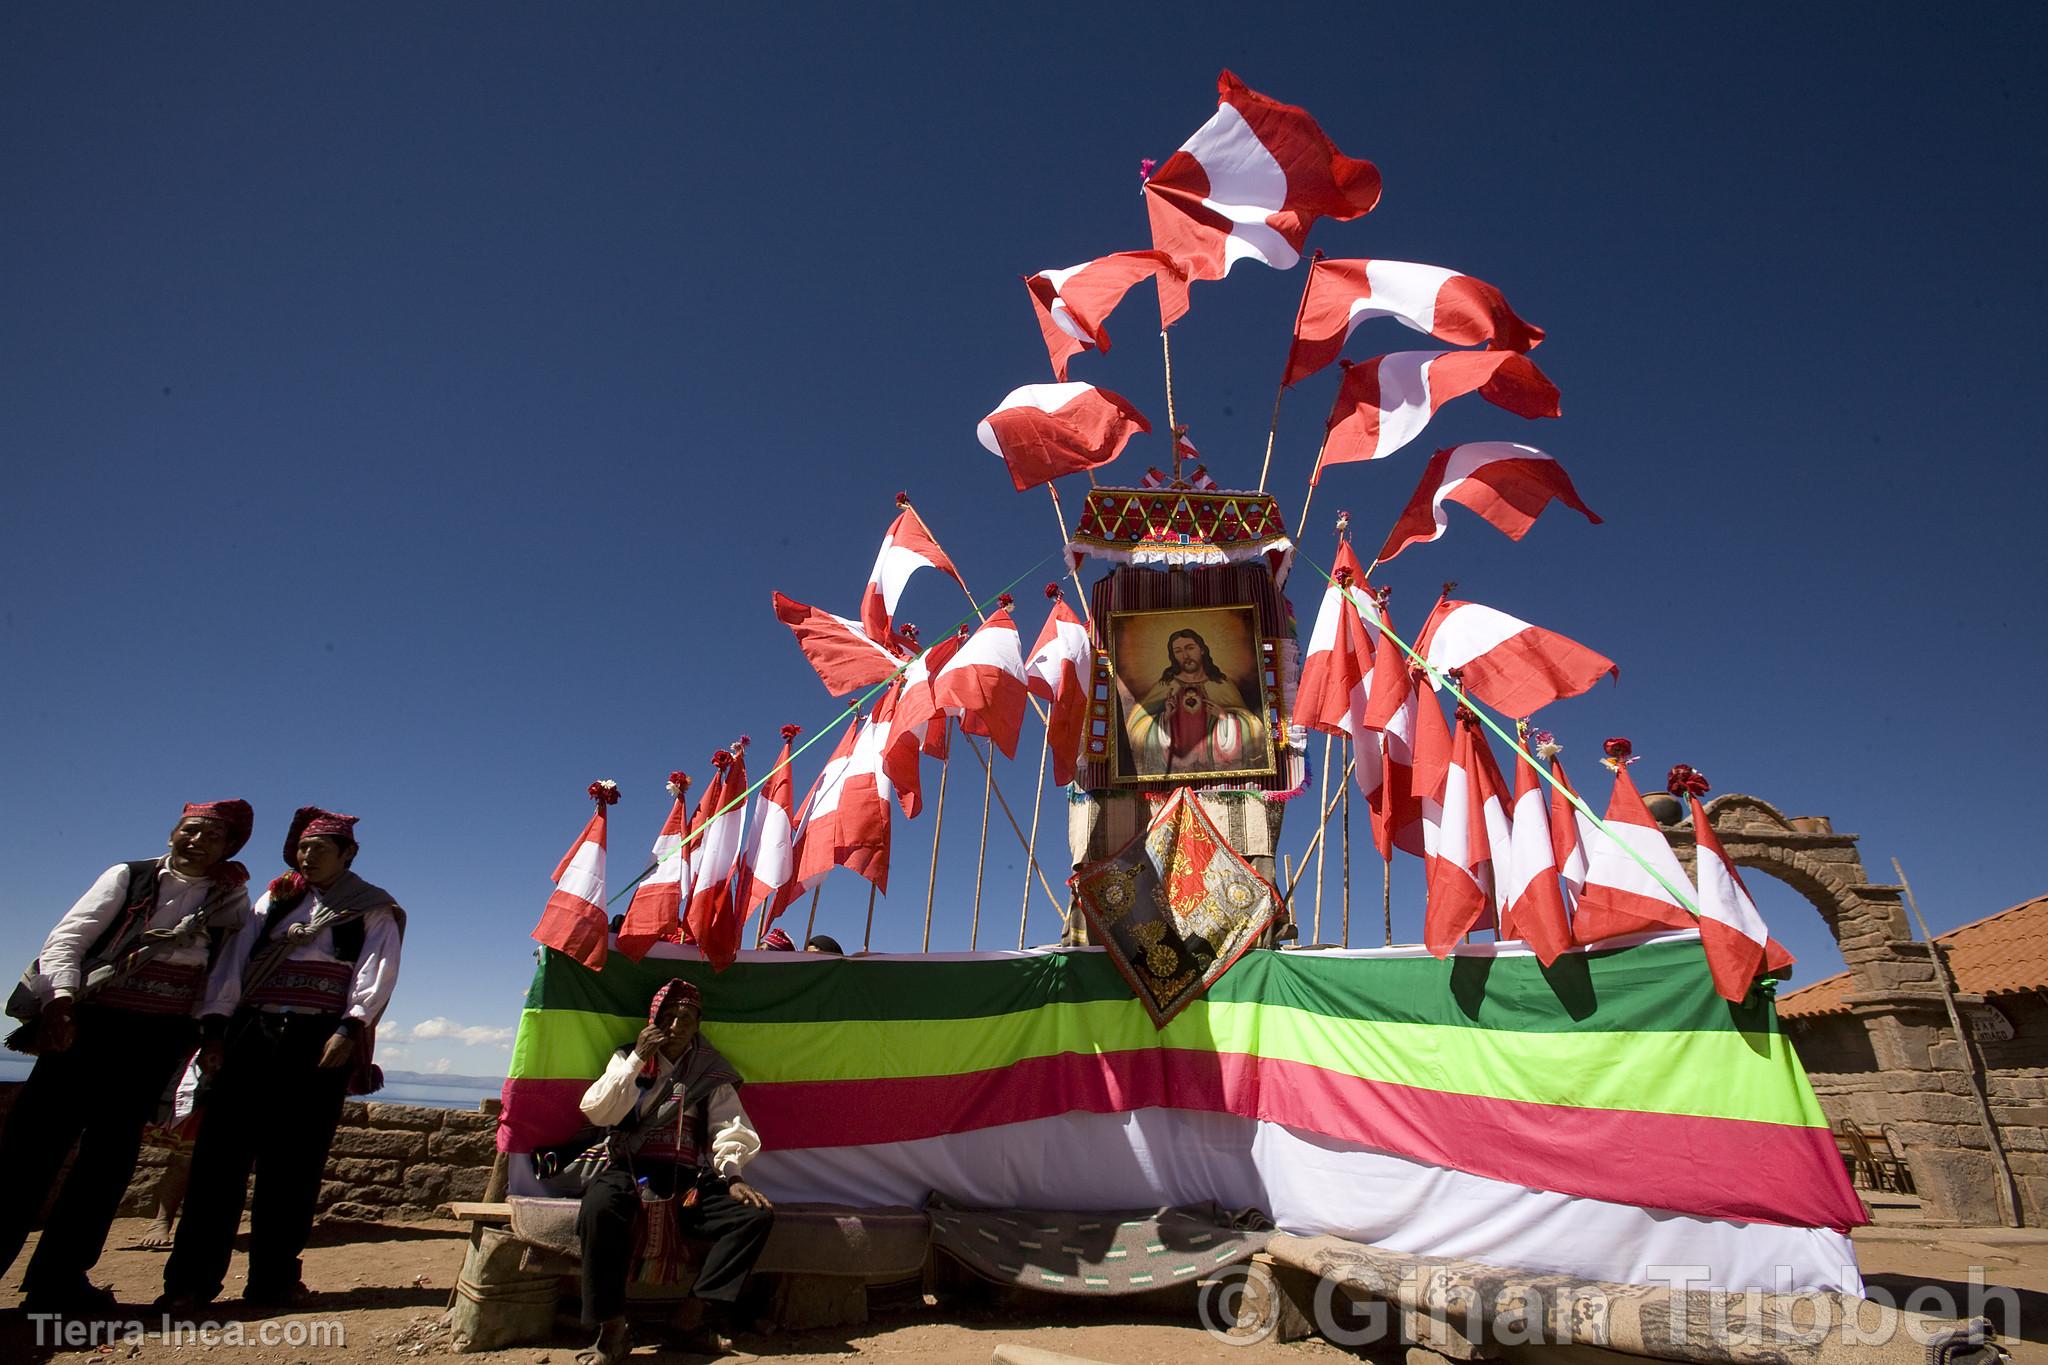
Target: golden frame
point(1139, 638)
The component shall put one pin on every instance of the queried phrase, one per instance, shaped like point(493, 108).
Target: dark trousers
point(272, 1113)
point(737, 1233)
point(97, 1095)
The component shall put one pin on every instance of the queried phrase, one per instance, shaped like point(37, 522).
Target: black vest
point(348, 935)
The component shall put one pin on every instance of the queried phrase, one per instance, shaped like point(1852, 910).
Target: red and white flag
point(1622, 895)
point(1042, 431)
point(984, 684)
point(1507, 663)
point(1571, 832)
point(574, 921)
point(714, 916)
point(770, 858)
point(1737, 943)
point(846, 657)
point(1385, 402)
point(1337, 670)
point(1249, 183)
point(1439, 302)
point(847, 814)
point(656, 911)
point(1458, 844)
point(916, 723)
point(1058, 671)
point(906, 548)
point(1073, 304)
point(1506, 483)
point(1530, 893)
point(1394, 710)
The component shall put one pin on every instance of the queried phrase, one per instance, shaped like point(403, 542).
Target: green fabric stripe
point(1653, 989)
point(1708, 1074)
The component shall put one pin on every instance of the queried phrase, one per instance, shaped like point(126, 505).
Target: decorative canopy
point(1179, 524)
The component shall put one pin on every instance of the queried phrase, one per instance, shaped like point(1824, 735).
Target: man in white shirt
point(314, 970)
point(122, 982)
point(670, 1105)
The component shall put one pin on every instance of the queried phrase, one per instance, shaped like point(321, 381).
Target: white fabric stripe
point(893, 568)
point(1404, 399)
point(1467, 631)
point(1309, 1184)
point(1044, 397)
point(1722, 898)
point(1529, 855)
point(993, 646)
point(768, 850)
point(584, 877)
point(1245, 185)
point(1608, 863)
point(667, 866)
point(1401, 290)
point(1068, 649)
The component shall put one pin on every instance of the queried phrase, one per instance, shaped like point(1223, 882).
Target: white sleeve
point(224, 981)
point(611, 1096)
point(62, 960)
point(376, 969)
point(733, 1140)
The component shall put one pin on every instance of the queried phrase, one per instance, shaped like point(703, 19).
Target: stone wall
point(1939, 1123)
point(386, 1159)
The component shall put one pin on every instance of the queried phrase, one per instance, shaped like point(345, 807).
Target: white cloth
point(62, 960)
point(617, 1093)
point(1308, 1184)
point(376, 970)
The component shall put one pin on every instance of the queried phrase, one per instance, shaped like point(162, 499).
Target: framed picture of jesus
point(1190, 700)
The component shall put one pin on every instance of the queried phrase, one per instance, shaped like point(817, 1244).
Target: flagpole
point(1387, 896)
point(1316, 842)
point(1324, 799)
point(867, 932)
point(931, 881)
point(811, 922)
point(1066, 917)
point(1166, 348)
point(988, 787)
point(1351, 751)
point(1031, 849)
point(1273, 427)
point(1073, 569)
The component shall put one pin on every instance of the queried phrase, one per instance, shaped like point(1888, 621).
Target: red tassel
point(605, 793)
point(1686, 780)
point(790, 732)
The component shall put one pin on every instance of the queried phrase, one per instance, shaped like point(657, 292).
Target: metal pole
point(931, 880)
point(1031, 849)
point(2008, 1192)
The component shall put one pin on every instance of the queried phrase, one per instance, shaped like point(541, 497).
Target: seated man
point(671, 1108)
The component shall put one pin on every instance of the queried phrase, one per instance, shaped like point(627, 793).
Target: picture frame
point(1188, 696)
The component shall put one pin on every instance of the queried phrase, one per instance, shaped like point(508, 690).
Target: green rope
point(1542, 771)
point(853, 708)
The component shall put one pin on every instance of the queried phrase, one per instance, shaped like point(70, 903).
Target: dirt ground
point(383, 1287)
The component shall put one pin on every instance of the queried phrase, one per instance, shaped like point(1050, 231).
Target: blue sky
point(410, 409)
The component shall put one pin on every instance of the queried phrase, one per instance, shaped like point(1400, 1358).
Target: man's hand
point(649, 1042)
point(339, 1049)
point(59, 1026)
point(211, 1054)
point(748, 1195)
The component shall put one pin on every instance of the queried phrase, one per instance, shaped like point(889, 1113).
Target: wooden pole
point(867, 932)
point(2008, 1192)
point(1351, 750)
point(1321, 849)
point(811, 922)
point(988, 788)
point(1316, 842)
point(1066, 917)
point(931, 879)
point(1073, 569)
point(1031, 849)
point(1273, 427)
point(1166, 349)
point(1387, 896)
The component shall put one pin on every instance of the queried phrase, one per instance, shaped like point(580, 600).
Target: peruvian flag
point(1042, 431)
point(916, 724)
point(1532, 899)
point(1393, 709)
point(1249, 183)
point(1506, 483)
point(1385, 402)
point(984, 684)
point(906, 548)
point(769, 859)
point(1058, 671)
point(656, 910)
point(846, 657)
point(1439, 302)
point(1073, 304)
point(574, 921)
point(1571, 834)
point(1337, 672)
point(714, 916)
point(1458, 842)
point(1737, 943)
point(1621, 896)
point(847, 815)
point(1507, 663)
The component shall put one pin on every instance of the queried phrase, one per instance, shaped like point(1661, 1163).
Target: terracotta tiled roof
point(2002, 954)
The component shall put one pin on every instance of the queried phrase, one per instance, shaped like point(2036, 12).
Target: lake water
point(460, 1092)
